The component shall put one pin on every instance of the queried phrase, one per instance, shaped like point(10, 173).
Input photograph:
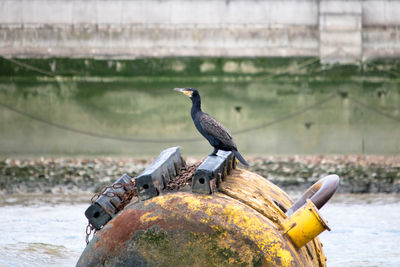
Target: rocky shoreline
point(359, 174)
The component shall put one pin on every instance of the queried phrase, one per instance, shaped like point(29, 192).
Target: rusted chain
point(89, 230)
point(184, 177)
point(129, 192)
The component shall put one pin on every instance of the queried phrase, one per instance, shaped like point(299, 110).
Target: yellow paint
point(256, 192)
point(235, 218)
point(148, 218)
point(305, 224)
point(244, 209)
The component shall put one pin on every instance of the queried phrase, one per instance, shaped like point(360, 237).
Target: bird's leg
point(214, 153)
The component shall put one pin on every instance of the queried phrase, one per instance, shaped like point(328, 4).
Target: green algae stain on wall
point(133, 99)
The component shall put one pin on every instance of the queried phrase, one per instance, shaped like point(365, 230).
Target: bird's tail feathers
point(240, 158)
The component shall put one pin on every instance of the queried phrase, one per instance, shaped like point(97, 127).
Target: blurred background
point(306, 87)
point(286, 77)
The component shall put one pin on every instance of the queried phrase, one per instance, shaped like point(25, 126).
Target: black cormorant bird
point(210, 128)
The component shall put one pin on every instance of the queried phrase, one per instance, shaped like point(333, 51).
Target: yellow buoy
point(241, 224)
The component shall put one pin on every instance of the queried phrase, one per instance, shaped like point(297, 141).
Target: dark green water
point(65, 107)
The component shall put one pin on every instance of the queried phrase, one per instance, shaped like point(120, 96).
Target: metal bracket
point(155, 177)
point(105, 207)
point(211, 171)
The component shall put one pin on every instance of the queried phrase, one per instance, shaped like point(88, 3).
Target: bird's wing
point(213, 127)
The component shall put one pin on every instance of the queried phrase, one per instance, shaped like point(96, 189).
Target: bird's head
point(190, 92)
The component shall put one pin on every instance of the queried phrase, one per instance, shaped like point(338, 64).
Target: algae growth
point(89, 107)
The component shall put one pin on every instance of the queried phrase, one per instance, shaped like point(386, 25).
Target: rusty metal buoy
point(241, 223)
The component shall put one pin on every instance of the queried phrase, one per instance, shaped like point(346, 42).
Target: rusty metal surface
point(184, 178)
point(240, 226)
point(179, 229)
point(109, 201)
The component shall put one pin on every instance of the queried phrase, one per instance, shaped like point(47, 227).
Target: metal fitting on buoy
point(304, 225)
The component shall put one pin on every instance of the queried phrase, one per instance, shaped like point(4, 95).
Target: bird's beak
point(184, 91)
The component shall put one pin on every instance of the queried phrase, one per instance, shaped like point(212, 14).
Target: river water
point(365, 230)
point(49, 230)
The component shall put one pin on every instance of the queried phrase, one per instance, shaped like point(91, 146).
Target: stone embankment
point(359, 174)
point(59, 175)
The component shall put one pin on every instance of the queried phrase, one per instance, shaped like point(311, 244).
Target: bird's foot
point(214, 153)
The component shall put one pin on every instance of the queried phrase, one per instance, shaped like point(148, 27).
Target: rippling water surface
point(365, 230)
point(45, 231)
point(49, 231)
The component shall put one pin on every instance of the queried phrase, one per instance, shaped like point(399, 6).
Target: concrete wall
point(337, 30)
point(381, 29)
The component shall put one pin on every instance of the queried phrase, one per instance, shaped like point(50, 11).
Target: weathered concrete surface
point(287, 12)
point(337, 31)
point(340, 31)
point(381, 29)
point(126, 29)
point(134, 40)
